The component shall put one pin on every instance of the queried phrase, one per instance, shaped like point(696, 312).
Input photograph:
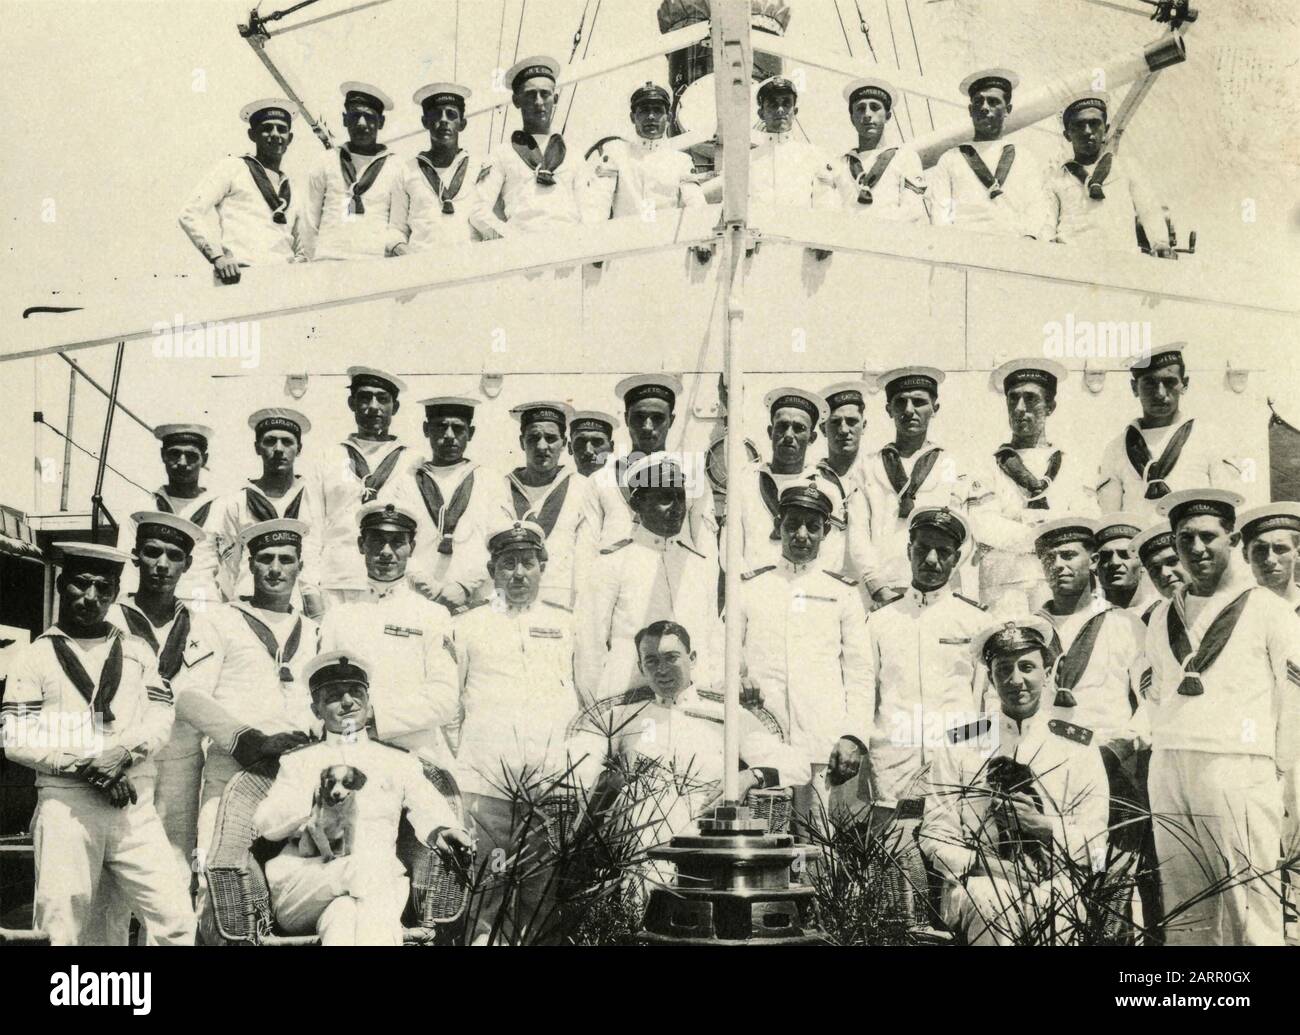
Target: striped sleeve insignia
point(161, 694)
point(960, 734)
point(18, 709)
point(746, 576)
point(617, 546)
point(1293, 672)
point(1144, 684)
point(968, 600)
point(846, 579)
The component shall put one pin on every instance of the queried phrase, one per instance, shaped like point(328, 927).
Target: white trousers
point(356, 900)
point(78, 838)
point(1000, 910)
point(1217, 824)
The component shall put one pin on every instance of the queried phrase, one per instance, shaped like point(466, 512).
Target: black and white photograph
point(631, 474)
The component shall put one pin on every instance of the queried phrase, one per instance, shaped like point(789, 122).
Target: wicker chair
point(239, 902)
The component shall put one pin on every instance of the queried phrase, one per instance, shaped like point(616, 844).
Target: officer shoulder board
point(746, 576)
point(961, 734)
point(557, 605)
point(968, 600)
point(1070, 731)
point(689, 549)
point(616, 547)
point(847, 580)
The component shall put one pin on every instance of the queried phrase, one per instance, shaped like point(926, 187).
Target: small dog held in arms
point(331, 829)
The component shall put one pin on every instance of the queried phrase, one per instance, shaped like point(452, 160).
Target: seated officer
point(356, 897)
point(1015, 797)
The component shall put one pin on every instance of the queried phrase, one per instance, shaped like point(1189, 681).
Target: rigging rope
point(591, 34)
point(866, 33)
point(455, 45)
point(519, 33)
point(838, 14)
point(76, 445)
point(907, 106)
point(916, 47)
point(492, 123)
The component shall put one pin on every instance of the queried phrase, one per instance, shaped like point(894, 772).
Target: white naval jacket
point(1108, 696)
point(804, 635)
point(637, 178)
point(945, 486)
point(899, 194)
point(227, 212)
point(416, 217)
point(529, 206)
point(840, 549)
point(1069, 778)
point(790, 173)
point(202, 583)
point(922, 682)
point(338, 483)
point(467, 561)
point(1251, 699)
point(1202, 462)
point(49, 725)
point(332, 230)
point(516, 694)
point(395, 785)
point(643, 579)
point(406, 638)
point(957, 198)
point(239, 685)
point(1074, 217)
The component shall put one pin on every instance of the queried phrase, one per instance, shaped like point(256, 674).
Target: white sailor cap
point(1013, 635)
point(797, 398)
point(545, 410)
point(391, 516)
point(872, 86)
point(276, 532)
point(649, 386)
point(1151, 541)
point(1003, 78)
point(390, 383)
point(658, 470)
point(593, 420)
point(183, 432)
point(1085, 99)
point(453, 405)
point(1185, 503)
point(845, 393)
point(267, 108)
point(91, 557)
point(1045, 372)
point(1069, 528)
point(1160, 356)
point(336, 666)
point(1283, 515)
point(279, 418)
point(910, 379)
point(155, 524)
point(539, 65)
point(442, 93)
point(366, 94)
point(1119, 525)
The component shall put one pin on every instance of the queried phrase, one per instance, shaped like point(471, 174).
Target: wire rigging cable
point(591, 34)
point(840, 15)
point(929, 109)
point(519, 34)
point(492, 123)
point(866, 33)
point(77, 445)
point(907, 105)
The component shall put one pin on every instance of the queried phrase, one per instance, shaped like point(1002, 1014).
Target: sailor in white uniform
point(637, 178)
point(908, 472)
point(366, 466)
point(1270, 541)
point(784, 170)
point(185, 457)
point(1120, 577)
point(533, 185)
point(1158, 554)
point(85, 708)
point(1225, 724)
point(280, 492)
point(1093, 197)
point(434, 194)
point(244, 212)
point(591, 440)
point(544, 492)
point(1026, 480)
point(873, 181)
point(413, 692)
point(1163, 449)
point(992, 185)
point(350, 189)
point(457, 500)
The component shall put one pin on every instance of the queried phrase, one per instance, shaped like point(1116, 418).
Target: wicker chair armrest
point(290, 941)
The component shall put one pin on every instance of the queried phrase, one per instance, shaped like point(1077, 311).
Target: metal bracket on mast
point(257, 35)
